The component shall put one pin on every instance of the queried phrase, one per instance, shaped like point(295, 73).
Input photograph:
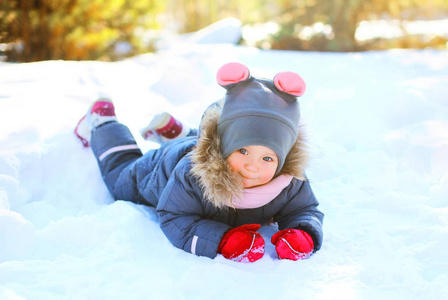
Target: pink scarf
point(263, 194)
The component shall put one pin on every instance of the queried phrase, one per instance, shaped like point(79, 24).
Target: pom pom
point(290, 83)
point(232, 73)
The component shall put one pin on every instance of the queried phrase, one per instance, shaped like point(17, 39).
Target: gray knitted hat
point(259, 111)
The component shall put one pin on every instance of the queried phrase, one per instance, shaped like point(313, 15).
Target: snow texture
point(378, 128)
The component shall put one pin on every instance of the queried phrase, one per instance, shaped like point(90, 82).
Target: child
point(213, 190)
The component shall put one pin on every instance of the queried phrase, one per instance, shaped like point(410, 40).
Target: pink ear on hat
point(231, 73)
point(290, 83)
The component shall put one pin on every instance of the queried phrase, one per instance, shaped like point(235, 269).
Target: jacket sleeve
point(182, 217)
point(301, 212)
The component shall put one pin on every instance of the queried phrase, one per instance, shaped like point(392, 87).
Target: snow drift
point(378, 126)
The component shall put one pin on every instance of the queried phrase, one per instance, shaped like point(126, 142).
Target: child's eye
point(267, 158)
point(243, 151)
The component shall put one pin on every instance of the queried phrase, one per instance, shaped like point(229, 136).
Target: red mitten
point(293, 244)
point(242, 244)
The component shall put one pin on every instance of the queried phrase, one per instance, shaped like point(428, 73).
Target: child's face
point(256, 164)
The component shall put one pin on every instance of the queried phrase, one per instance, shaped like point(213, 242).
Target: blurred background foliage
point(32, 30)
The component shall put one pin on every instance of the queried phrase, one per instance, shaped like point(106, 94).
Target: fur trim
point(217, 180)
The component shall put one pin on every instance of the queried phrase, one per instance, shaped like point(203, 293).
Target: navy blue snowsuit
point(162, 178)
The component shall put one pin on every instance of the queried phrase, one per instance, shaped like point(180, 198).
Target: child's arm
point(187, 230)
point(182, 217)
point(301, 212)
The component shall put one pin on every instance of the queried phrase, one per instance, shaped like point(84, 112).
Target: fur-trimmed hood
point(217, 180)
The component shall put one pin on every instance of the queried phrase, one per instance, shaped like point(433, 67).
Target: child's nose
point(252, 166)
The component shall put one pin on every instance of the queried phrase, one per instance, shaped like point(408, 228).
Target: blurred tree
point(111, 29)
point(343, 17)
point(318, 25)
point(8, 24)
point(74, 29)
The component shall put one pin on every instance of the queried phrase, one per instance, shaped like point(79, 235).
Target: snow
point(368, 30)
point(378, 128)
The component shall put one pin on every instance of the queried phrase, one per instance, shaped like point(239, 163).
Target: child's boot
point(100, 112)
point(164, 128)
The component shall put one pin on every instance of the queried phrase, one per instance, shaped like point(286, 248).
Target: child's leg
point(114, 147)
point(164, 128)
point(116, 152)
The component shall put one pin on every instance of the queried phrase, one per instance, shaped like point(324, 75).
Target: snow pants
point(116, 152)
point(122, 164)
